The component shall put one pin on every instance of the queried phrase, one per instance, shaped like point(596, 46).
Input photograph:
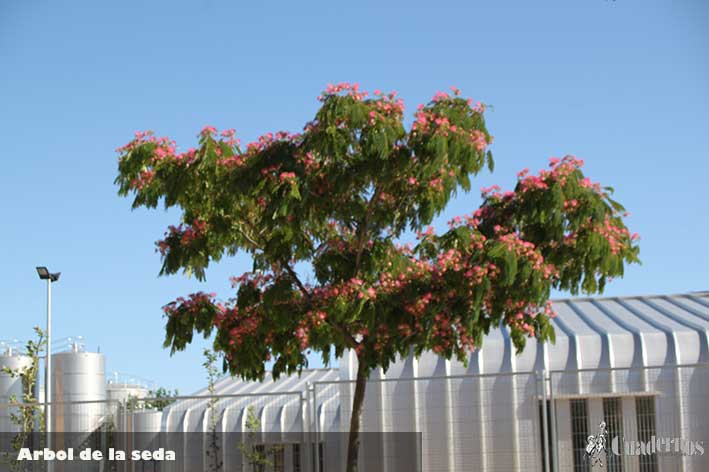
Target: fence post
point(303, 422)
point(307, 446)
point(554, 439)
point(316, 447)
point(545, 437)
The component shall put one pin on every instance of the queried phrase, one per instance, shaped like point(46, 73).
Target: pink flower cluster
point(163, 150)
point(184, 235)
point(309, 161)
point(616, 236)
point(145, 178)
point(351, 90)
point(385, 107)
point(561, 170)
point(313, 319)
point(428, 121)
point(521, 315)
point(288, 177)
point(429, 231)
point(208, 131)
point(255, 279)
point(192, 305)
point(526, 249)
point(471, 221)
point(141, 137)
point(566, 174)
point(241, 323)
point(443, 96)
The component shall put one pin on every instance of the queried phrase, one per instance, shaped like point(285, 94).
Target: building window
point(279, 459)
point(579, 434)
point(258, 461)
point(319, 460)
point(321, 453)
point(296, 458)
point(613, 416)
point(645, 411)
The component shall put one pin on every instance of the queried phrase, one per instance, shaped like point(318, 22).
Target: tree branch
point(349, 339)
point(297, 280)
point(362, 230)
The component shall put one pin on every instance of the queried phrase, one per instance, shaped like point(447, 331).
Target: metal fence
point(655, 420)
point(528, 421)
point(459, 429)
point(75, 425)
point(212, 432)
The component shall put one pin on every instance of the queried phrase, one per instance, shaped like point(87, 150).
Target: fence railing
point(523, 421)
point(466, 422)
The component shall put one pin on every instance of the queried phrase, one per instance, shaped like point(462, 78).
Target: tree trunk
point(353, 443)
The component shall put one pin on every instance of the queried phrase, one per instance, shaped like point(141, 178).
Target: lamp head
point(44, 274)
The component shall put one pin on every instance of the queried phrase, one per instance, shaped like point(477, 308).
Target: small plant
point(29, 416)
point(256, 455)
point(213, 446)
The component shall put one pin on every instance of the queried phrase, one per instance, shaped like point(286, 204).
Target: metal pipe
point(48, 374)
point(545, 438)
point(295, 393)
point(316, 448)
point(435, 377)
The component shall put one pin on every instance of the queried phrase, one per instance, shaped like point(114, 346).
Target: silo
point(147, 421)
point(10, 386)
point(122, 392)
point(122, 387)
point(78, 390)
point(139, 430)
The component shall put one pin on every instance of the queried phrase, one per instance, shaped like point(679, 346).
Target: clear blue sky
point(622, 84)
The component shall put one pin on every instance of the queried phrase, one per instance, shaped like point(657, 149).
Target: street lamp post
point(44, 274)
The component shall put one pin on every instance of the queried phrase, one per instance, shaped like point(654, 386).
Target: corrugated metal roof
point(277, 402)
point(598, 332)
point(236, 386)
point(595, 332)
point(607, 332)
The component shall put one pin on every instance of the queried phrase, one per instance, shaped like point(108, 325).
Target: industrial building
point(82, 393)
point(638, 364)
point(614, 360)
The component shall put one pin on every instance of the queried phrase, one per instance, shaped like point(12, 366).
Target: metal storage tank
point(121, 392)
point(78, 377)
point(147, 421)
point(10, 386)
point(145, 427)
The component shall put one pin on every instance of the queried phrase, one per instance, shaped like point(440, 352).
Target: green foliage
point(338, 197)
point(29, 417)
point(334, 201)
point(160, 399)
point(255, 455)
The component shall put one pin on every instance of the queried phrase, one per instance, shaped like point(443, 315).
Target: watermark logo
point(597, 446)
point(655, 445)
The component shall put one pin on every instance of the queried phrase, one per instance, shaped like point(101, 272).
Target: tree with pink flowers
point(323, 214)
